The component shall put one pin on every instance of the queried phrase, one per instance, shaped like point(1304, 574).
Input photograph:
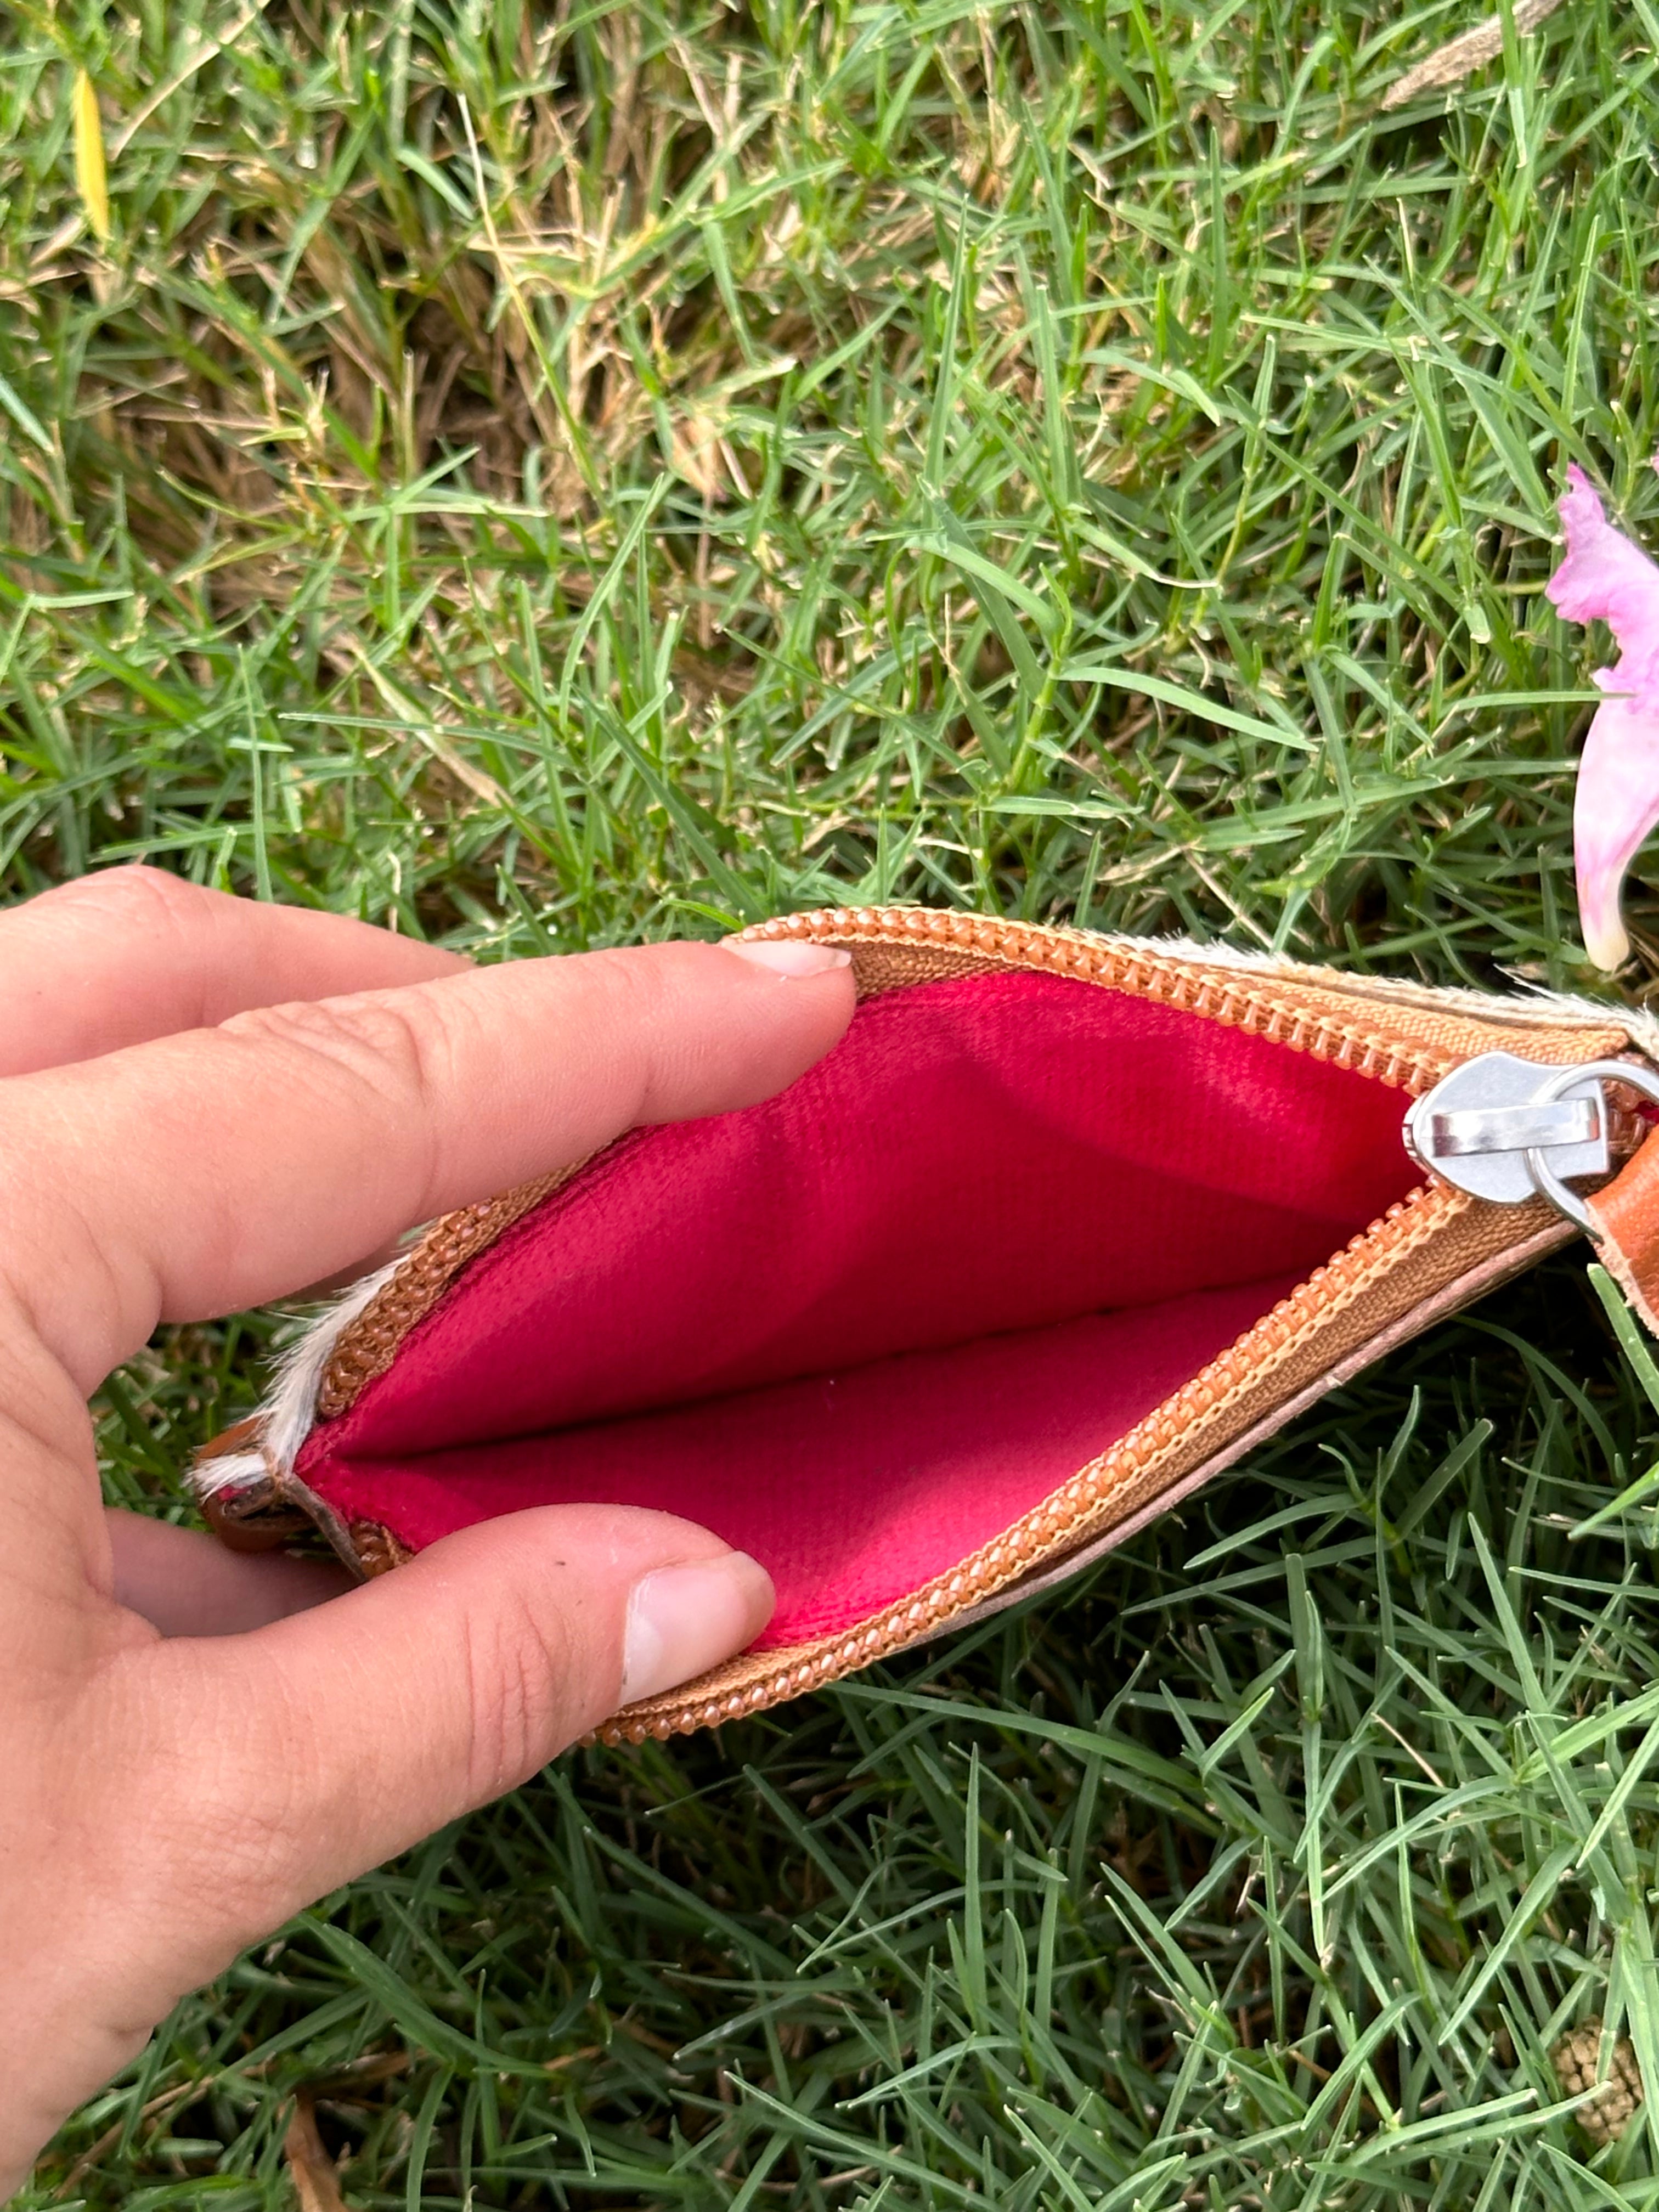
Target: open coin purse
point(1064, 1225)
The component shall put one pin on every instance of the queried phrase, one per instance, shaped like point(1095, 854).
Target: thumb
point(347, 1732)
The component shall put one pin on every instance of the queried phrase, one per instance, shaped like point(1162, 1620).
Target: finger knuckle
point(634, 998)
point(517, 1664)
point(392, 1043)
point(129, 897)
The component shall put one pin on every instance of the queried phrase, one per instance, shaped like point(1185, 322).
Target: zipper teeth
point(1409, 1223)
point(1237, 1001)
point(1406, 1224)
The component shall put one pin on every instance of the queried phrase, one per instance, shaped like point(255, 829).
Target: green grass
point(537, 476)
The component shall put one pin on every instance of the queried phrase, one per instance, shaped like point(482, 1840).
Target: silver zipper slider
point(1508, 1130)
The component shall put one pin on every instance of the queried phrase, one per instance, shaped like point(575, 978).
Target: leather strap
point(1627, 1214)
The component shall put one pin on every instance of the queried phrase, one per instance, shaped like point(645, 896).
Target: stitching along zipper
point(1242, 999)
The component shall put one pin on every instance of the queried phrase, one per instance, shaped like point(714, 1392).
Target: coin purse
point(1063, 1226)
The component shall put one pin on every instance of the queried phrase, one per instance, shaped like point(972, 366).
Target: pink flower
point(1605, 578)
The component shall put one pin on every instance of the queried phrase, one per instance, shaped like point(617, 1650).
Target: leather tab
point(1626, 1212)
point(253, 1516)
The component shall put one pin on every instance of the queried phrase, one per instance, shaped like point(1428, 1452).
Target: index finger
point(124, 954)
point(205, 1173)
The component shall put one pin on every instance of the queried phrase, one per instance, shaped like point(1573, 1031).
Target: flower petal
point(1605, 578)
point(1616, 805)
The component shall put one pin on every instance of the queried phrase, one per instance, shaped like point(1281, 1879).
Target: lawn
point(537, 476)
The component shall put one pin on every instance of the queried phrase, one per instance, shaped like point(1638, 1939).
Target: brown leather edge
point(1626, 1212)
point(274, 1509)
point(254, 1516)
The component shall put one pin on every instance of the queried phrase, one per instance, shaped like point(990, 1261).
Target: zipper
point(1444, 1083)
point(1241, 999)
point(1508, 1130)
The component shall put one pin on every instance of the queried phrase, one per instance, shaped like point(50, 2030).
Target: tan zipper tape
point(1376, 1030)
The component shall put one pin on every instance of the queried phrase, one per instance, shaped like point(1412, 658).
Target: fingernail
point(789, 957)
point(682, 1620)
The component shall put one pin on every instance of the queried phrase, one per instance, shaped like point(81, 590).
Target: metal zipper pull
point(1509, 1130)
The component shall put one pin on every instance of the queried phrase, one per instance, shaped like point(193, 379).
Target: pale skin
point(204, 1105)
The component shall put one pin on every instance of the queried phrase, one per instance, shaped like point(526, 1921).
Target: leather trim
point(251, 1517)
point(1627, 1214)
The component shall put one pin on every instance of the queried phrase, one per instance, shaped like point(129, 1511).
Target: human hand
point(207, 1104)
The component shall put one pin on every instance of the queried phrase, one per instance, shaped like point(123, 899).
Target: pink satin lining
point(862, 1327)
